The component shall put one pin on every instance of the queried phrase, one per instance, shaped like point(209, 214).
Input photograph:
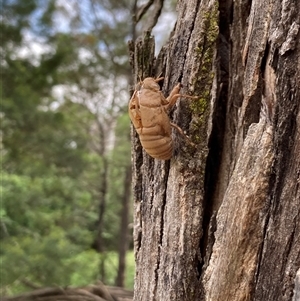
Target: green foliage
point(45, 229)
point(51, 163)
point(75, 268)
point(15, 16)
point(111, 264)
point(130, 270)
point(119, 159)
point(37, 256)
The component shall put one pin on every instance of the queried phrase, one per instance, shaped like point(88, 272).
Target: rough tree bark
point(221, 221)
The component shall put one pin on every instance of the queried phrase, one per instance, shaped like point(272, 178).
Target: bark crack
point(217, 135)
point(189, 38)
point(161, 233)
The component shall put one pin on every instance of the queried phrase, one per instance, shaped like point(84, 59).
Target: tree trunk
point(99, 243)
point(124, 237)
point(221, 221)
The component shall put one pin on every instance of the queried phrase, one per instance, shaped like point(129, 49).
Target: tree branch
point(157, 6)
point(142, 10)
point(152, 20)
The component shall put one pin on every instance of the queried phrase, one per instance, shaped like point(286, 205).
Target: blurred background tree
point(66, 171)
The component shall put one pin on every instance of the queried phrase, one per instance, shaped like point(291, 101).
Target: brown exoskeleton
point(148, 112)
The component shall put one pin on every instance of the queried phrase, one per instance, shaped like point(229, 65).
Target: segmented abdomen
point(157, 146)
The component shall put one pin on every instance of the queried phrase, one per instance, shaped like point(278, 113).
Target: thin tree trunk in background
point(222, 221)
point(124, 237)
point(99, 244)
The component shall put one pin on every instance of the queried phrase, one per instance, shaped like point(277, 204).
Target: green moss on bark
point(204, 52)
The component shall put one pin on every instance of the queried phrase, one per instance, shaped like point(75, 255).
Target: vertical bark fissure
point(161, 234)
point(290, 243)
point(238, 234)
point(176, 60)
point(281, 226)
point(188, 41)
point(282, 141)
point(215, 143)
point(266, 113)
point(137, 191)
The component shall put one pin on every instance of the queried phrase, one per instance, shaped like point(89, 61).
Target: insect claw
point(158, 79)
point(189, 140)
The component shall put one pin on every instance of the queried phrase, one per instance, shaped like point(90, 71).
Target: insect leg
point(181, 132)
point(134, 103)
point(132, 100)
point(174, 95)
point(158, 79)
point(134, 111)
point(171, 99)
